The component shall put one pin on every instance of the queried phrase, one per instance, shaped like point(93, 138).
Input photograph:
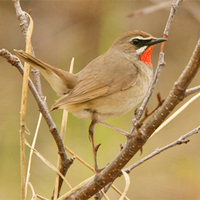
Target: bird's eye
point(136, 42)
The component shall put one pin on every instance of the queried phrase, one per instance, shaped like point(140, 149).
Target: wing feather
point(102, 77)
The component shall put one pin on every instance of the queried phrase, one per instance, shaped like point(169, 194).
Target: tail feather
point(61, 81)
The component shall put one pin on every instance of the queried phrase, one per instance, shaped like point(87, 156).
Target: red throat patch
point(146, 56)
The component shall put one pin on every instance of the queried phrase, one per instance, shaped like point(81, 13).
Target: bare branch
point(113, 169)
point(137, 139)
point(173, 10)
point(66, 162)
point(192, 90)
point(23, 108)
point(59, 180)
point(181, 140)
point(22, 17)
point(31, 154)
point(112, 127)
point(176, 114)
point(150, 9)
point(160, 64)
point(47, 162)
point(176, 94)
point(134, 143)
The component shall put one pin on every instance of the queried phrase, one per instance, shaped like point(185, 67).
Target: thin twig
point(127, 181)
point(181, 140)
point(23, 110)
point(117, 166)
point(43, 108)
point(79, 159)
point(48, 163)
point(31, 153)
point(176, 95)
point(133, 144)
point(13, 60)
point(173, 10)
point(59, 180)
point(192, 90)
point(34, 197)
point(40, 197)
point(150, 9)
point(113, 128)
point(22, 17)
point(140, 111)
point(175, 114)
point(160, 64)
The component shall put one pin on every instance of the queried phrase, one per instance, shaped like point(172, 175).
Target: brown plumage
point(110, 85)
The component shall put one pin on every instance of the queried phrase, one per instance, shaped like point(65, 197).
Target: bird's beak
point(156, 41)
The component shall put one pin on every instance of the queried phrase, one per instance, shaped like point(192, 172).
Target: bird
point(109, 86)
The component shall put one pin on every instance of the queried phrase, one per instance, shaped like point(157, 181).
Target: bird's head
point(136, 45)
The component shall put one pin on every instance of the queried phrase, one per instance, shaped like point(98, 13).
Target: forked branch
point(133, 144)
point(66, 162)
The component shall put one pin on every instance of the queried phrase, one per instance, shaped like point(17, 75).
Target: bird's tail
point(61, 81)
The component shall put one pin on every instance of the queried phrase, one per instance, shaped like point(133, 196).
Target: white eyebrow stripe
point(141, 38)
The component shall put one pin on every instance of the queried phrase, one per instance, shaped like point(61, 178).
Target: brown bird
point(110, 85)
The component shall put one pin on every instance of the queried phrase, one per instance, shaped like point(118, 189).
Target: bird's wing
point(102, 77)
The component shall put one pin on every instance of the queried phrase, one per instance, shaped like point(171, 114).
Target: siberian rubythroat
point(109, 86)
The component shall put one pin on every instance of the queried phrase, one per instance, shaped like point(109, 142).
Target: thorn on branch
point(97, 147)
point(159, 98)
point(147, 114)
point(121, 147)
point(141, 151)
point(183, 141)
point(136, 111)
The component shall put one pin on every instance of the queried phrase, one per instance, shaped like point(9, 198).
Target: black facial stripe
point(140, 43)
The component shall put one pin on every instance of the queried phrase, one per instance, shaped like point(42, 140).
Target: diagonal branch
point(192, 90)
point(66, 162)
point(135, 142)
point(181, 140)
point(22, 17)
point(160, 64)
point(150, 9)
point(176, 94)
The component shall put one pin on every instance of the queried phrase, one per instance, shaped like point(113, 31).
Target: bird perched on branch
point(109, 86)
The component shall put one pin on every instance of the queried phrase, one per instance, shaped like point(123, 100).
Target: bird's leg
point(91, 137)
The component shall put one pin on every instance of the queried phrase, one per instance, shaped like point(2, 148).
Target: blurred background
point(84, 30)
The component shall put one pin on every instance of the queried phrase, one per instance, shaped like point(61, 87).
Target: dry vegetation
point(86, 25)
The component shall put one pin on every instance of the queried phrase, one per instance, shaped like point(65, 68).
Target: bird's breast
point(119, 103)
